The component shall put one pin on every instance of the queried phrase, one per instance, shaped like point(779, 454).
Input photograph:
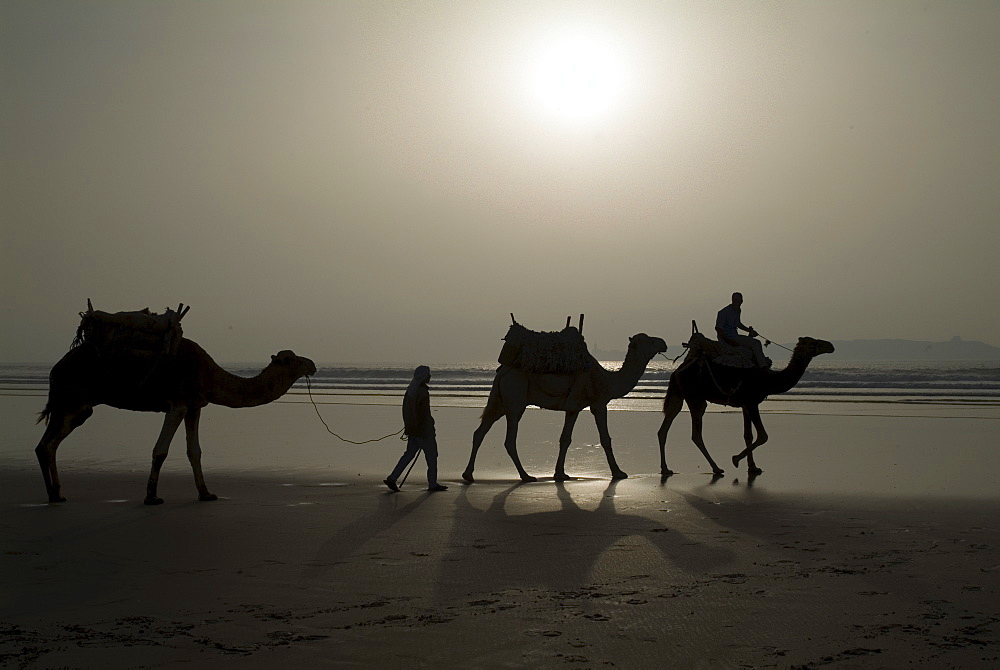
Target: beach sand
point(868, 542)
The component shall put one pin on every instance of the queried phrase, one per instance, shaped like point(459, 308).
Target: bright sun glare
point(578, 78)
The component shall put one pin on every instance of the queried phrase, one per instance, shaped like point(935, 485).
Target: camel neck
point(783, 380)
point(231, 390)
point(625, 379)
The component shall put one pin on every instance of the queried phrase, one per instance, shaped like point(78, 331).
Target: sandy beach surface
point(870, 541)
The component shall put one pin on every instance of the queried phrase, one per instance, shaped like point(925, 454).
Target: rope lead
point(342, 439)
point(768, 340)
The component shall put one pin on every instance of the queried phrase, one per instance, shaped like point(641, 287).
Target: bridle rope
point(344, 439)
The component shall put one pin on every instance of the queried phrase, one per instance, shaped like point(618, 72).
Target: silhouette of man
point(418, 425)
point(726, 324)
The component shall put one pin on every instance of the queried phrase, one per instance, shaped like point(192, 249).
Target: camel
point(699, 382)
point(179, 385)
point(514, 389)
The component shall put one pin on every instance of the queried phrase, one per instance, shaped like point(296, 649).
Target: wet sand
point(867, 542)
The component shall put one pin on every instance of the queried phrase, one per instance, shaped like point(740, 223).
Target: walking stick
point(412, 463)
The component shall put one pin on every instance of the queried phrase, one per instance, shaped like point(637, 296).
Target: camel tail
point(673, 388)
point(43, 416)
point(494, 406)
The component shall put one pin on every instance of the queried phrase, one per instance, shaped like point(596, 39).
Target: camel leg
point(60, 425)
point(697, 410)
point(748, 434)
point(477, 441)
point(600, 413)
point(564, 441)
point(747, 437)
point(510, 443)
point(194, 453)
point(170, 424)
point(671, 408)
point(751, 415)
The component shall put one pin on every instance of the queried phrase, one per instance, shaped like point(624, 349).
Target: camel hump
point(719, 353)
point(120, 332)
point(561, 352)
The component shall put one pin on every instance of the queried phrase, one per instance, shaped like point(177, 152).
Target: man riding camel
point(726, 325)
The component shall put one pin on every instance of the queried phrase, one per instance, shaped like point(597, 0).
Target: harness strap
point(711, 374)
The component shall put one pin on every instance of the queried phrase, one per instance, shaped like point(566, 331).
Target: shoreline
point(943, 454)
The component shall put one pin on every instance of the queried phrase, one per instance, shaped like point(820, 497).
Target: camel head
point(646, 346)
point(810, 347)
point(296, 365)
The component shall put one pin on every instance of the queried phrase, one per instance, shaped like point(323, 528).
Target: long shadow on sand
point(564, 549)
point(914, 574)
point(345, 542)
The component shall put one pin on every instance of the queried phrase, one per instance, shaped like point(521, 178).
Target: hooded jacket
point(417, 419)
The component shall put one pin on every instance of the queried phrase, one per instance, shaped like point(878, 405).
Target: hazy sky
point(364, 181)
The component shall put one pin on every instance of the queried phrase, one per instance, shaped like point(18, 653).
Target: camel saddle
point(124, 332)
point(562, 352)
point(719, 353)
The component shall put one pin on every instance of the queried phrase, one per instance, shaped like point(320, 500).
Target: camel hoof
point(152, 501)
point(207, 497)
point(57, 499)
point(754, 471)
point(561, 478)
point(736, 461)
point(467, 476)
point(718, 472)
point(666, 472)
point(619, 475)
point(529, 478)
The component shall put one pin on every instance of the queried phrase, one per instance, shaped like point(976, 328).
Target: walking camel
point(514, 389)
point(698, 382)
point(179, 385)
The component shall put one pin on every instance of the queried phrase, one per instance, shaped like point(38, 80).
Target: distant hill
point(955, 349)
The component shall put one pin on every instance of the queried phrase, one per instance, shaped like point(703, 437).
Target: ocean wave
point(888, 379)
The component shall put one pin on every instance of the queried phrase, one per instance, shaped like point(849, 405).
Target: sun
point(578, 77)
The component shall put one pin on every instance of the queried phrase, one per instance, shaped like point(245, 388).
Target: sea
point(898, 388)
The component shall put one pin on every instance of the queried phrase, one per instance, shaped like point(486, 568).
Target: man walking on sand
point(418, 425)
point(726, 324)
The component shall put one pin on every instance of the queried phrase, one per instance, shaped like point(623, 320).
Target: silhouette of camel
point(698, 382)
point(179, 385)
point(514, 389)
